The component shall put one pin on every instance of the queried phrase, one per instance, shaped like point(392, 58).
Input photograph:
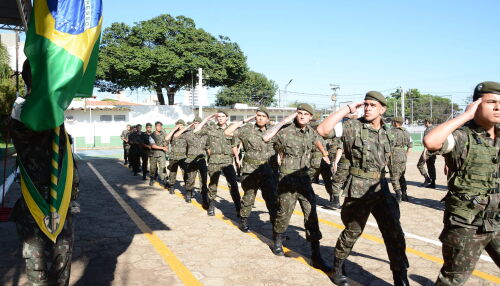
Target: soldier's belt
point(299, 172)
point(254, 162)
point(220, 155)
point(317, 155)
point(365, 174)
point(344, 161)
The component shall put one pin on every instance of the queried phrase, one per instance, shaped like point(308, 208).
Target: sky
point(441, 47)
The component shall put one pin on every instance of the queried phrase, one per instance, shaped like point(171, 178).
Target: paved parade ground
point(129, 233)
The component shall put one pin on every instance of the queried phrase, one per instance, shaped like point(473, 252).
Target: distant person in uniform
point(429, 160)
point(126, 146)
point(401, 147)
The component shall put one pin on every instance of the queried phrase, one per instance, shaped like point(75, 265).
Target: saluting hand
point(354, 106)
point(290, 117)
point(249, 118)
point(471, 109)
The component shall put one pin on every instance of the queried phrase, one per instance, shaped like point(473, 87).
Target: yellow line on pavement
point(168, 256)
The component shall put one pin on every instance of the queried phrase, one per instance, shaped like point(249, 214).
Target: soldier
point(159, 146)
point(145, 151)
point(195, 162)
point(470, 144)
point(295, 143)
point(126, 146)
point(177, 156)
point(321, 164)
point(220, 160)
point(401, 147)
point(429, 160)
point(135, 141)
point(367, 146)
point(47, 262)
point(256, 169)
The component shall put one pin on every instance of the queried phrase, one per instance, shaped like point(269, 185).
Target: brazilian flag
point(62, 45)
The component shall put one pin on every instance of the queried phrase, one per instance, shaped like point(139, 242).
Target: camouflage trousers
point(47, 263)
point(173, 166)
point(398, 179)
point(326, 173)
point(431, 166)
point(263, 179)
point(157, 167)
point(340, 177)
point(383, 206)
point(193, 168)
point(290, 190)
point(461, 250)
point(214, 171)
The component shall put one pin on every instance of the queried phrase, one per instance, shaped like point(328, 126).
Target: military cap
point(180, 121)
point(148, 124)
point(158, 122)
point(263, 109)
point(222, 111)
point(306, 107)
point(486, 87)
point(197, 119)
point(377, 96)
point(398, 119)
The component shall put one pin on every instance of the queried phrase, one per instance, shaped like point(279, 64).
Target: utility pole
point(402, 104)
point(200, 87)
point(334, 88)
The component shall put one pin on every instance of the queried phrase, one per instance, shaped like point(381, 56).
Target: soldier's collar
point(478, 129)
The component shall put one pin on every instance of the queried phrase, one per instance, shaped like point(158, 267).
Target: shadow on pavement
point(421, 280)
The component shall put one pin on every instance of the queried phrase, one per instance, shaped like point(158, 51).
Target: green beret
point(306, 107)
point(222, 111)
point(398, 119)
point(197, 119)
point(180, 121)
point(377, 96)
point(263, 109)
point(486, 87)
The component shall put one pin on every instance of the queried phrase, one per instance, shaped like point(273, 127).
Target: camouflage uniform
point(472, 216)
point(145, 152)
point(196, 163)
point(368, 151)
point(177, 158)
point(47, 263)
point(158, 160)
point(400, 143)
point(135, 141)
point(319, 166)
point(430, 161)
point(221, 161)
point(256, 170)
point(126, 146)
point(295, 144)
point(340, 176)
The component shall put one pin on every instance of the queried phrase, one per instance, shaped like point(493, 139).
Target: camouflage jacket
point(196, 144)
point(400, 143)
point(257, 152)
point(368, 151)
point(178, 148)
point(472, 157)
point(219, 145)
point(316, 155)
point(159, 140)
point(124, 135)
point(295, 144)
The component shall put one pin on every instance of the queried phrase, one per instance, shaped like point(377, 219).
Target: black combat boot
point(144, 177)
point(244, 224)
point(316, 259)
point(404, 195)
point(398, 196)
point(400, 278)
point(426, 182)
point(151, 181)
point(432, 184)
point(211, 208)
point(335, 201)
point(338, 276)
point(278, 244)
point(189, 195)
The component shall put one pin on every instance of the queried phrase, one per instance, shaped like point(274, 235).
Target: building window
point(106, 117)
point(119, 117)
point(234, 118)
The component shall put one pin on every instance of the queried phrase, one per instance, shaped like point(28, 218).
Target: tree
point(7, 87)
point(441, 106)
point(255, 89)
point(166, 52)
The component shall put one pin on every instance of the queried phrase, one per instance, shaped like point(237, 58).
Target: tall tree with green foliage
point(166, 52)
point(255, 89)
point(441, 106)
point(7, 83)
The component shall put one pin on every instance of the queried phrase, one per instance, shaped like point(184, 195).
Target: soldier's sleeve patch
point(448, 145)
point(338, 129)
